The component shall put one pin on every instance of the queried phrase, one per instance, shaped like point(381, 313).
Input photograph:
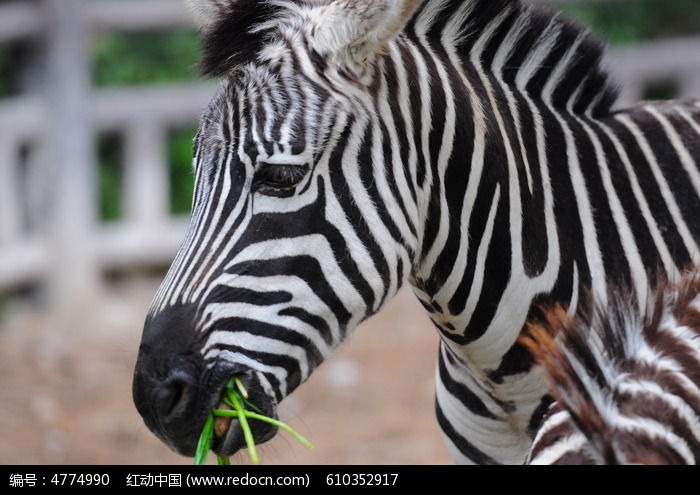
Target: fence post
point(75, 275)
point(146, 181)
point(9, 201)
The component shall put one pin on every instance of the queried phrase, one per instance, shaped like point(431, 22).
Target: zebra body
point(626, 378)
point(466, 147)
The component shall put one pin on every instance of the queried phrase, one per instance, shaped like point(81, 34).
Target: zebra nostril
point(174, 394)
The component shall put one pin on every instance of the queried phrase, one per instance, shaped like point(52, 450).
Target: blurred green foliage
point(142, 58)
point(110, 176)
point(629, 21)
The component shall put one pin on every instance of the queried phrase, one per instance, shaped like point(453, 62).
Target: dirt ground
point(65, 391)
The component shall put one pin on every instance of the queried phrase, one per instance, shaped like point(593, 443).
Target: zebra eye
point(278, 180)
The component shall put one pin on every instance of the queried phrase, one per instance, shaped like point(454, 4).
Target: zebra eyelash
point(279, 180)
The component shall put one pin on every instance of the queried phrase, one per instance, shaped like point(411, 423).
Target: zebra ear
point(207, 12)
point(359, 28)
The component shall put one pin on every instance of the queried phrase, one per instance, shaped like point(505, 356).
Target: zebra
point(626, 378)
point(467, 148)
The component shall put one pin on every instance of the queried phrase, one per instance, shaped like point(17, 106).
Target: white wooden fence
point(50, 233)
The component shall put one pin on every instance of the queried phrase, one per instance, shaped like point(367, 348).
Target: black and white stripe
point(473, 153)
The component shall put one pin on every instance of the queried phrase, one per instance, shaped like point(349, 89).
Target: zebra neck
point(491, 74)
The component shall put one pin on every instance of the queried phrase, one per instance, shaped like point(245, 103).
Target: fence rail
point(49, 230)
point(26, 19)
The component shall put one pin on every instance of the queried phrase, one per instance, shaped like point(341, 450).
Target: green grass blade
point(225, 412)
point(283, 426)
point(204, 443)
point(246, 404)
point(247, 433)
point(223, 461)
point(250, 405)
point(241, 388)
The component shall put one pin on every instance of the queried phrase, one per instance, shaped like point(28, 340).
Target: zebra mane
point(589, 362)
point(536, 40)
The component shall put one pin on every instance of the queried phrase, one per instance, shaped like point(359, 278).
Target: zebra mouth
point(228, 435)
point(222, 424)
point(228, 438)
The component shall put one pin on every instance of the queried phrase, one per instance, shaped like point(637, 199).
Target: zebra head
point(292, 242)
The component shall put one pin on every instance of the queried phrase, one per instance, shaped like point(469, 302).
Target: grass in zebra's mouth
point(235, 405)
